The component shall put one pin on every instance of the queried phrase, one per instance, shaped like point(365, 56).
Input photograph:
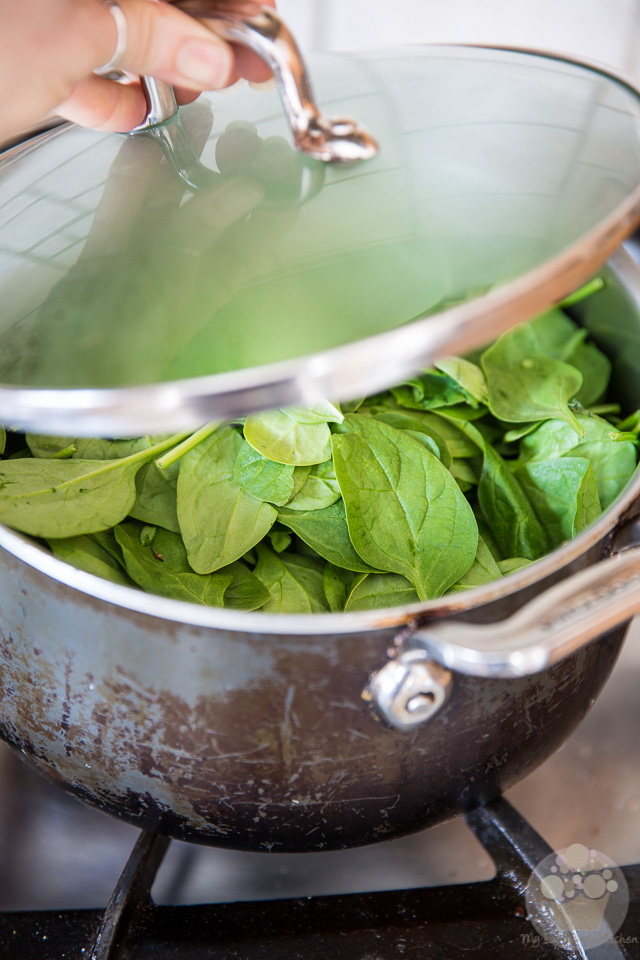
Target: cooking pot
point(286, 732)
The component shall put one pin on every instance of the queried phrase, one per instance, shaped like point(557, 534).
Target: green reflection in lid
point(112, 273)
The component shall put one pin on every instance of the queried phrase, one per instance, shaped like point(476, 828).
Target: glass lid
point(203, 268)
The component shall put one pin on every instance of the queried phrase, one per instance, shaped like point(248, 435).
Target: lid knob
point(330, 139)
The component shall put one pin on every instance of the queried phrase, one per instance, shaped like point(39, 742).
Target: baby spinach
point(279, 539)
point(563, 494)
point(337, 584)
point(526, 383)
point(467, 375)
point(320, 412)
point(85, 554)
point(512, 564)
point(405, 512)
point(293, 436)
point(433, 389)
point(613, 462)
point(505, 505)
point(245, 592)
point(463, 474)
point(67, 498)
point(484, 569)
point(156, 497)
point(415, 424)
point(86, 448)
point(219, 521)
point(508, 510)
point(326, 532)
point(320, 489)
point(294, 582)
point(563, 339)
point(161, 567)
point(375, 591)
point(264, 479)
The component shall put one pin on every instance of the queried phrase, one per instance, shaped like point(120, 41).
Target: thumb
point(165, 43)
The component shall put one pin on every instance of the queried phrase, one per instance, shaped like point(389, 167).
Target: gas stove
point(454, 889)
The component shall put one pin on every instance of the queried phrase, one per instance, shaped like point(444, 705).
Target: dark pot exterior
point(259, 742)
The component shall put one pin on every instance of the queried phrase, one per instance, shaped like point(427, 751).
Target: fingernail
point(207, 64)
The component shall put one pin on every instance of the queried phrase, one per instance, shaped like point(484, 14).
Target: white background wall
point(604, 30)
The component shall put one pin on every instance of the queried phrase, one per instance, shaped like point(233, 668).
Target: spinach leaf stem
point(188, 444)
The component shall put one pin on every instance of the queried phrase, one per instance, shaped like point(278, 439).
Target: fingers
point(248, 65)
point(165, 43)
point(160, 42)
point(105, 105)
point(49, 48)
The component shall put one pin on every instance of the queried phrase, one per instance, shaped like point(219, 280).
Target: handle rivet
point(409, 690)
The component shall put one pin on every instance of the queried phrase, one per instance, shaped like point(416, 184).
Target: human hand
point(50, 48)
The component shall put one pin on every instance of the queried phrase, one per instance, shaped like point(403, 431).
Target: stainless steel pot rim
point(278, 624)
point(340, 373)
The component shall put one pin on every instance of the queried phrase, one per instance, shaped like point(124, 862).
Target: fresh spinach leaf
point(508, 510)
point(463, 471)
point(376, 591)
point(283, 437)
point(405, 512)
point(563, 494)
point(67, 498)
point(107, 540)
point(337, 585)
point(484, 531)
point(525, 383)
point(162, 567)
point(156, 497)
point(262, 478)
point(512, 564)
point(320, 490)
point(147, 535)
point(563, 339)
point(280, 539)
point(467, 375)
point(414, 424)
point(85, 554)
point(326, 532)
point(429, 391)
point(219, 521)
point(613, 462)
point(245, 592)
point(86, 448)
point(294, 582)
point(426, 441)
point(320, 412)
point(504, 504)
point(484, 569)
point(524, 429)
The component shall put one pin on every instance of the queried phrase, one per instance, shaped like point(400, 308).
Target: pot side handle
point(414, 685)
point(547, 629)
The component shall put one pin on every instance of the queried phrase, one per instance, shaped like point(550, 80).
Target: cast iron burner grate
point(485, 919)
